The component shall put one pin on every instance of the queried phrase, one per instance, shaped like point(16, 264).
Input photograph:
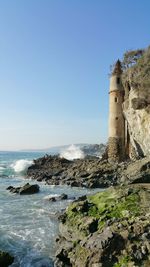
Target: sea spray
point(72, 152)
point(21, 165)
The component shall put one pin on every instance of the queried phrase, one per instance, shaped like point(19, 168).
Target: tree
point(131, 57)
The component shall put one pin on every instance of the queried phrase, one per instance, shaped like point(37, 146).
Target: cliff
point(137, 114)
point(136, 81)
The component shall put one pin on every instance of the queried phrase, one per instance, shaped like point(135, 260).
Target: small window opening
point(116, 118)
point(129, 87)
point(118, 80)
point(116, 99)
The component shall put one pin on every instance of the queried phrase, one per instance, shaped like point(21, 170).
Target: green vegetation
point(109, 204)
point(136, 66)
point(131, 57)
point(110, 227)
point(123, 262)
point(102, 206)
point(76, 218)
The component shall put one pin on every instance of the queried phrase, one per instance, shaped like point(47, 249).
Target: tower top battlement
point(115, 79)
point(117, 68)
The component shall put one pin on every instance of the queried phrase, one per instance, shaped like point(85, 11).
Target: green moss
point(102, 199)
point(75, 220)
point(126, 207)
point(126, 204)
point(109, 204)
point(112, 203)
point(101, 224)
point(93, 211)
point(123, 262)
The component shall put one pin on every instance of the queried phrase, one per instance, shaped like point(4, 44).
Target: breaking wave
point(72, 152)
point(21, 165)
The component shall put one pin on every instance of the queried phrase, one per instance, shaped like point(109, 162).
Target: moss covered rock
point(108, 229)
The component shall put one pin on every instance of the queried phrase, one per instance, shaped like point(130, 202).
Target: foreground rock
point(26, 189)
point(90, 172)
point(108, 229)
point(5, 259)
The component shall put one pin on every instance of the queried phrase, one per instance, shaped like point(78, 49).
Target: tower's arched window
point(116, 99)
point(118, 80)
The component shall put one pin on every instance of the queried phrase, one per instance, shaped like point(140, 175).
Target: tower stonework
point(116, 141)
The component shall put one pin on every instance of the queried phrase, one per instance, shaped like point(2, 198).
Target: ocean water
point(28, 224)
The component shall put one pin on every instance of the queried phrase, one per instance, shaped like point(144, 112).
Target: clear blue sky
point(54, 64)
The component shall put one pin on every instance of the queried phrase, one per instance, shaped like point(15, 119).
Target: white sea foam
point(72, 152)
point(2, 168)
point(21, 165)
point(50, 196)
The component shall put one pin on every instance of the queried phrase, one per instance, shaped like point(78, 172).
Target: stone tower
point(116, 141)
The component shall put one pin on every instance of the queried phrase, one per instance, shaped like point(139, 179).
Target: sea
point(28, 223)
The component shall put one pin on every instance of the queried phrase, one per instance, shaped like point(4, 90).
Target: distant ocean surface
point(28, 224)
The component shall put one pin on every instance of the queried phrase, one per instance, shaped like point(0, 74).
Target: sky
point(55, 58)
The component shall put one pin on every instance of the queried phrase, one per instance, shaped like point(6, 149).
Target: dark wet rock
point(29, 189)
point(57, 198)
point(82, 198)
point(15, 190)
point(88, 172)
point(52, 199)
point(74, 183)
point(5, 259)
point(9, 187)
point(63, 196)
point(26, 189)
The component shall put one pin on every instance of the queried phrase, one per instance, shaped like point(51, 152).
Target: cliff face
point(137, 113)
point(136, 81)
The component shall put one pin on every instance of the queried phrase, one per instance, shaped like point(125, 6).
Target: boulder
point(57, 198)
point(5, 259)
point(26, 189)
point(29, 189)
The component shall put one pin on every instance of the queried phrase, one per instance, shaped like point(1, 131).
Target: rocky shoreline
point(110, 228)
point(90, 172)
